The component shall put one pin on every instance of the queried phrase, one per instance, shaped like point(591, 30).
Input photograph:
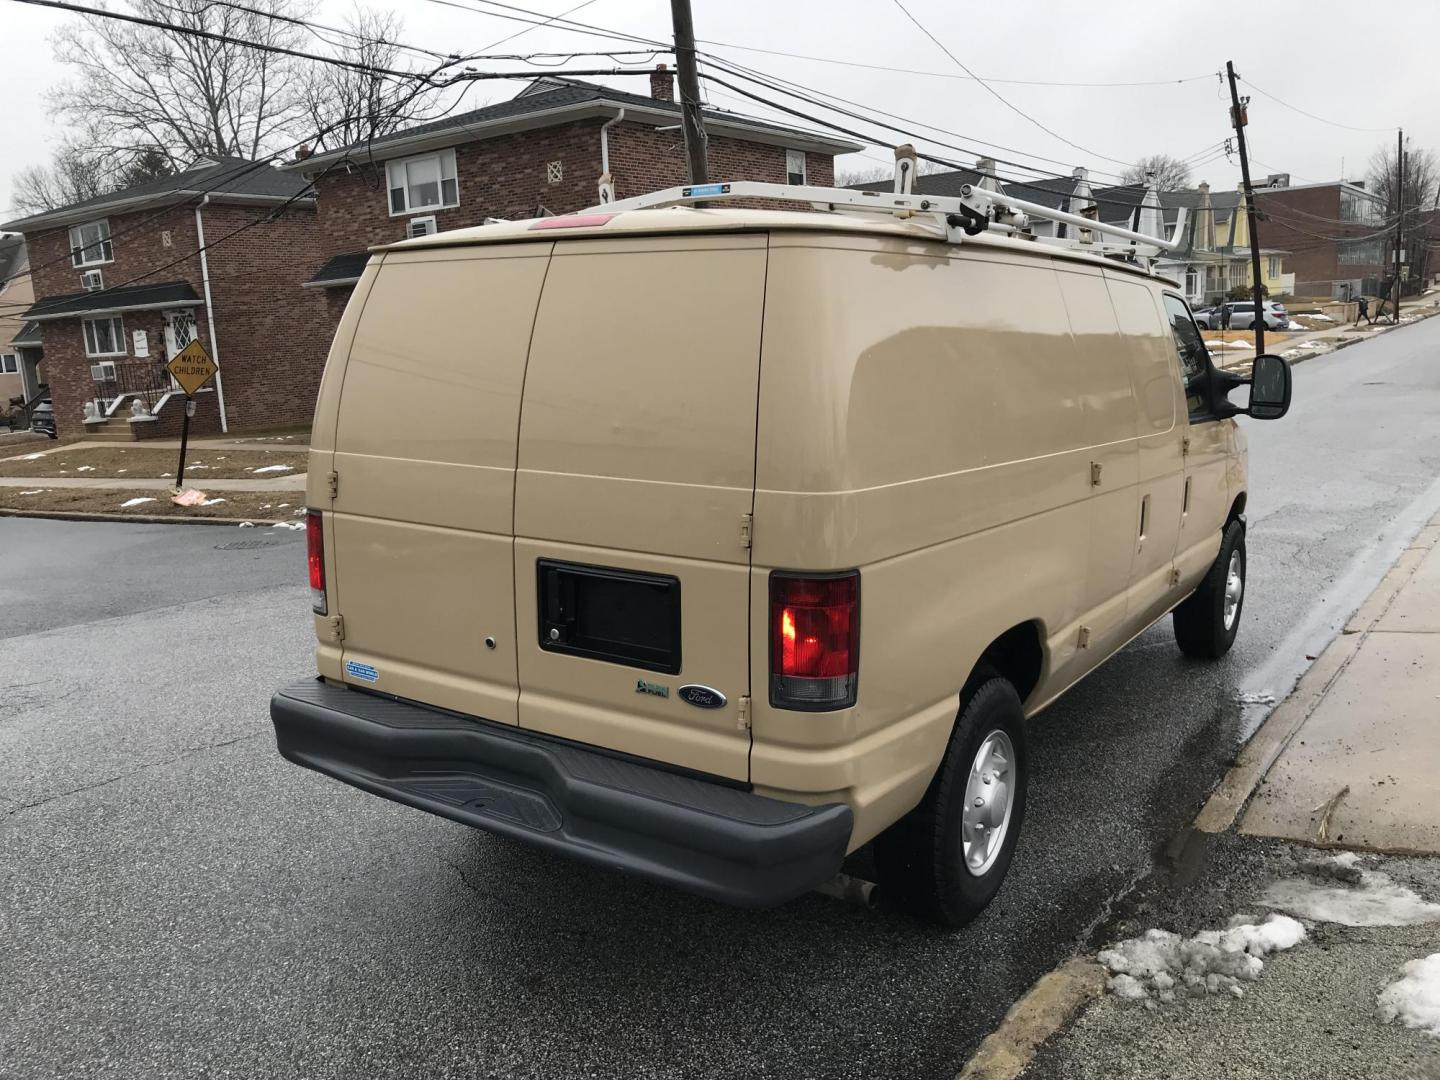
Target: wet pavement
point(175, 900)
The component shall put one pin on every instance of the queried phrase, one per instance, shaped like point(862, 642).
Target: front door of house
point(179, 332)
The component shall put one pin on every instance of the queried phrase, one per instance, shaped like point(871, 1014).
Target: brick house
point(121, 284)
point(1336, 234)
point(541, 152)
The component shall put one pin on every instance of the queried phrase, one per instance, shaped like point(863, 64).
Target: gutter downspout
point(607, 186)
point(210, 314)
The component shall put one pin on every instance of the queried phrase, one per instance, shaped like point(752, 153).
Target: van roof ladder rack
point(975, 210)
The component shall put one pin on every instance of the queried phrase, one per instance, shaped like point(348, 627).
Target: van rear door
point(425, 470)
point(636, 478)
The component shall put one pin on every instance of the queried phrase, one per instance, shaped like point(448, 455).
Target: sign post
point(192, 368)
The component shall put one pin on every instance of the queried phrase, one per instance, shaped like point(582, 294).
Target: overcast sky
point(1336, 60)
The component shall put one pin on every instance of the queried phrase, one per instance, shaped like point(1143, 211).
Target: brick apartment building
point(541, 152)
point(1335, 233)
point(120, 285)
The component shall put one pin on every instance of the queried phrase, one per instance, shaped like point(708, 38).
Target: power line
point(547, 22)
point(1000, 97)
point(538, 19)
point(947, 74)
point(1312, 116)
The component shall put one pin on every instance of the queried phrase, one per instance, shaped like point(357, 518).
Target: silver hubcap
point(989, 796)
point(1234, 589)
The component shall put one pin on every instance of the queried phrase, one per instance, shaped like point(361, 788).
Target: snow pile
point(135, 502)
point(288, 525)
point(1293, 325)
point(31, 457)
point(1162, 966)
point(1321, 316)
point(211, 502)
point(247, 525)
point(1414, 999)
point(37, 491)
point(1372, 898)
point(271, 468)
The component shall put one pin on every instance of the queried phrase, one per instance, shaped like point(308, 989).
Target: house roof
point(29, 335)
point(228, 179)
point(550, 101)
point(109, 301)
point(13, 258)
point(339, 270)
point(1051, 191)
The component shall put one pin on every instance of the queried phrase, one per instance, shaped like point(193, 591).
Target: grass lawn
point(141, 462)
point(256, 505)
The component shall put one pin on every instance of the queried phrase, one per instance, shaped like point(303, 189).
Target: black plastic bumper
point(707, 838)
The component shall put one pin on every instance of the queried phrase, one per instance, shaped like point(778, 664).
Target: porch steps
point(115, 429)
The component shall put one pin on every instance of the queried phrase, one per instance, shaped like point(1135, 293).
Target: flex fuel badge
point(654, 688)
point(363, 672)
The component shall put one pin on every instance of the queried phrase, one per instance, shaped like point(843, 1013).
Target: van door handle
point(1144, 516)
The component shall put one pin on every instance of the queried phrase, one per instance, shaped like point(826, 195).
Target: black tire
point(1254, 325)
point(1200, 627)
point(920, 859)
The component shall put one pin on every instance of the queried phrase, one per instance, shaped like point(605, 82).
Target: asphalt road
point(177, 901)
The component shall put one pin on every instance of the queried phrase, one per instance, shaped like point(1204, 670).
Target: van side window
point(1190, 350)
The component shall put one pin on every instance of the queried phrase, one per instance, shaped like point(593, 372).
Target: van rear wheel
point(947, 857)
point(1206, 623)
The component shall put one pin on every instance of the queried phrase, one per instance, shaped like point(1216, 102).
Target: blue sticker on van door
point(363, 672)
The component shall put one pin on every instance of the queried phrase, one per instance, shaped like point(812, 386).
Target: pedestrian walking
point(1364, 312)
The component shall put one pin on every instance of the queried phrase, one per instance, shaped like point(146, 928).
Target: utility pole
point(1399, 217)
point(1238, 120)
point(691, 121)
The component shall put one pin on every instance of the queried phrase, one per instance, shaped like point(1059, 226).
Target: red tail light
point(315, 550)
point(814, 640)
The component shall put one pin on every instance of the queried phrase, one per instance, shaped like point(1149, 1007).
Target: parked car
point(1242, 316)
point(740, 544)
point(42, 419)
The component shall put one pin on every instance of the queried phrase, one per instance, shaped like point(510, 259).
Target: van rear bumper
point(707, 838)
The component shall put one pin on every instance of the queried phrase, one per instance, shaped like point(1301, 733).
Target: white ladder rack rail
point(975, 210)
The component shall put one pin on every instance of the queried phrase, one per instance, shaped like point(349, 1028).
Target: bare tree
point(140, 88)
point(344, 105)
point(867, 174)
point(1171, 174)
point(72, 176)
point(1422, 175)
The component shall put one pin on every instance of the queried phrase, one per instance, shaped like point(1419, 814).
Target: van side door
point(1209, 449)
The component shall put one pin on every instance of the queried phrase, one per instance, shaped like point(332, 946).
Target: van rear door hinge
point(747, 529)
point(1083, 640)
point(1185, 445)
point(332, 479)
point(742, 719)
point(1174, 575)
point(335, 629)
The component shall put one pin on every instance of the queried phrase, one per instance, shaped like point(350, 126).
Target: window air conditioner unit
point(92, 280)
point(104, 371)
point(420, 226)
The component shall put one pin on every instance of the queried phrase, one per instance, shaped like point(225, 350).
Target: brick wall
point(1313, 256)
point(507, 177)
point(273, 334)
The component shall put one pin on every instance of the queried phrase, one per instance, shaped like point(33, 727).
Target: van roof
point(689, 219)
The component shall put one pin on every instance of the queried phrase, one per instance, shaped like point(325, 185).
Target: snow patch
point(1293, 325)
point(31, 457)
point(1161, 966)
point(1372, 900)
point(288, 525)
point(1414, 999)
point(211, 502)
point(136, 502)
point(247, 524)
point(1322, 317)
point(1264, 697)
point(86, 468)
point(272, 468)
point(37, 491)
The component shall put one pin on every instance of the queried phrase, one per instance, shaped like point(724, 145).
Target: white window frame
point(78, 247)
point(396, 179)
point(1272, 266)
point(429, 219)
point(792, 156)
point(91, 340)
point(9, 363)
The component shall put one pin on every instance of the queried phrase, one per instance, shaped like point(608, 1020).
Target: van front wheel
point(948, 856)
point(1206, 623)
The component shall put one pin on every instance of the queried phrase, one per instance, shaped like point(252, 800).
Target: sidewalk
point(1302, 345)
point(1304, 943)
point(286, 482)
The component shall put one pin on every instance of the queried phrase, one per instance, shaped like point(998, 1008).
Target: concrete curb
point(1228, 800)
point(140, 519)
point(1046, 1007)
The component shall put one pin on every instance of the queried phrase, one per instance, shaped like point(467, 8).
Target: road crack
point(191, 752)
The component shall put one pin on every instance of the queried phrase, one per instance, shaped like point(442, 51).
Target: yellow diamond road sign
point(192, 367)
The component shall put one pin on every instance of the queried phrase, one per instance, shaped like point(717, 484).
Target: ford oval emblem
point(702, 697)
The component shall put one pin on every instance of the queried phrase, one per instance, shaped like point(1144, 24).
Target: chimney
point(303, 151)
point(662, 83)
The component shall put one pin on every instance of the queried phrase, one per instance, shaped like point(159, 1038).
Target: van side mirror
point(1270, 386)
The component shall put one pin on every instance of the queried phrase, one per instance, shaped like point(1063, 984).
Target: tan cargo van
point(710, 545)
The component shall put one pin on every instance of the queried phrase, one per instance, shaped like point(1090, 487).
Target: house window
point(1237, 273)
point(1359, 253)
point(104, 337)
point(90, 244)
point(554, 172)
point(1272, 266)
point(1192, 281)
point(9, 363)
point(795, 166)
point(423, 183)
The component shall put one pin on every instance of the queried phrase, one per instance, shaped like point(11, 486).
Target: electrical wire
point(547, 22)
point(1000, 97)
point(1312, 116)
